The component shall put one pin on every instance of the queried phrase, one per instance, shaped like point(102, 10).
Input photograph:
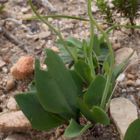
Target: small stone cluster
point(125, 105)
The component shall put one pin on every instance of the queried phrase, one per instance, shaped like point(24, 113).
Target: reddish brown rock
point(23, 68)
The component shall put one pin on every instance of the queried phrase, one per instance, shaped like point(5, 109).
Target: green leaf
point(75, 47)
point(74, 129)
point(133, 131)
point(106, 67)
point(83, 70)
point(85, 45)
point(104, 51)
point(95, 115)
point(110, 93)
point(95, 91)
point(65, 56)
point(39, 118)
point(85, 110)
point(73, 42)
point(56, 89)
point(96, 45)
point(62, 77)
point(78, 81)
point(100, 116)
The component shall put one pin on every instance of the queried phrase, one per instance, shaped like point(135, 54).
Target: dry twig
point(9, 36)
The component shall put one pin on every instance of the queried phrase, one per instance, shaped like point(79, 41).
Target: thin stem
point(107, 85)
point(109, 77)
point(90, 59)
point(91, 26)
point(120, 26)
point(53, 29)
point(57, 17)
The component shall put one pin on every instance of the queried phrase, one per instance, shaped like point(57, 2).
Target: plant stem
point(58, 16)
point(113, 26)
point(109, 77)
point(53, 29)
point(90, 59)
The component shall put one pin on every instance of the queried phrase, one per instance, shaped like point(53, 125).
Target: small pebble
point(116, 46)
point(137, 82)
point(43, 67)
point(10, 84)
point(131, 89)
point(124, 90)
point(2, 63)
point(1, 92)
point(12, 105)
point(24, 10)
point(130, 76)
point(122, 85)
point(16, 137)
point(121, 77)
point(130, 83)
point(137, 88)
point(5, 70)
point(132, 98)
point(138, 94)
point(55, 49)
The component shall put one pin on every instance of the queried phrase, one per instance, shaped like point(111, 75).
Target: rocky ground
point(20, 37)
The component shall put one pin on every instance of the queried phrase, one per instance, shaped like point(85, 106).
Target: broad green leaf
point(77, 79)
point(85, 110)
point(95, 91)
point(74, 129)
point(83, 70)
point(133, 131)
point(39, 118)
point(49, 94)
point(62, 77)
point(100, 116)
point(56, 89)
point(95, 115)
